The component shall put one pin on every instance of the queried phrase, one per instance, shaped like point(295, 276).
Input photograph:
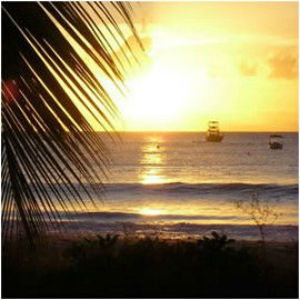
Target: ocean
point(177, 185)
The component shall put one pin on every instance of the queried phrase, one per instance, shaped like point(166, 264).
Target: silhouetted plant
point(101, 244)
point(56, 54)
point(107, 241)
point(216, 243)
point(260, 211)
point(150, 268)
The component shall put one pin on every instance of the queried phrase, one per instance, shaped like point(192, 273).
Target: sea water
point(179, 185)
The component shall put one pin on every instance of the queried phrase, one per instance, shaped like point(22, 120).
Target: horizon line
point(193, 131)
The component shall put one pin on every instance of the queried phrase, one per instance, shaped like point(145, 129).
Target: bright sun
point(156, 96)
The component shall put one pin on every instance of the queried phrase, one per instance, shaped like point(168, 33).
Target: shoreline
point(65, 240)
point(182, 230)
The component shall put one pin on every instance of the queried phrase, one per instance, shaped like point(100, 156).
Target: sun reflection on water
point(150, 211)
point(152, 161)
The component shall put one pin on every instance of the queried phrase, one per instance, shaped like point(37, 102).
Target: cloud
point(283, 65)
point(248, 69)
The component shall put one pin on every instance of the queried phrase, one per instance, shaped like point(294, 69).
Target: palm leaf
point(52, 163)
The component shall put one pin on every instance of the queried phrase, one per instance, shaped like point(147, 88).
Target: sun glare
point(150, 212)
point(152, 176)
point(157, 95)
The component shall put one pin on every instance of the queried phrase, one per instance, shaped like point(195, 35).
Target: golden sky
point(232, 62)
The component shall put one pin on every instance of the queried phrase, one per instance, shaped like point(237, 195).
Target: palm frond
point(51, 160)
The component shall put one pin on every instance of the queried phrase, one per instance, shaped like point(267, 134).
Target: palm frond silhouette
point(51, 53)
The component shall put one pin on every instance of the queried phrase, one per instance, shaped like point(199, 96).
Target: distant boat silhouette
point(275, 142)
point(213, 132)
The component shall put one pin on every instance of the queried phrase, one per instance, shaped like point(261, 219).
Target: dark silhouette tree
point(50, 156)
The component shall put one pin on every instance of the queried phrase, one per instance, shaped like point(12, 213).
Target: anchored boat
point(213, 132)
point(275, 142)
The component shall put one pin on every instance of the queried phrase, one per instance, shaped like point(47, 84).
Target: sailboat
point(213, 132)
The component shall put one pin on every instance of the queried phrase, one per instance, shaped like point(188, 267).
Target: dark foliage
point(110, 267)
point(49, 153)
point(215, 244)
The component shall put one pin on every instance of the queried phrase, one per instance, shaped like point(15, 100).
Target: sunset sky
point(232, 62)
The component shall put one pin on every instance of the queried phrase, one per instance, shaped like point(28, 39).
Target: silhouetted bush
point(215, 244)
point(111, 267)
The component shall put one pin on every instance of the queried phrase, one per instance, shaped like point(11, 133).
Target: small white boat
point(275, 142)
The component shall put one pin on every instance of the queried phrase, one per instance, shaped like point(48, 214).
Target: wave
point(194, 189)
point(202, 188)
